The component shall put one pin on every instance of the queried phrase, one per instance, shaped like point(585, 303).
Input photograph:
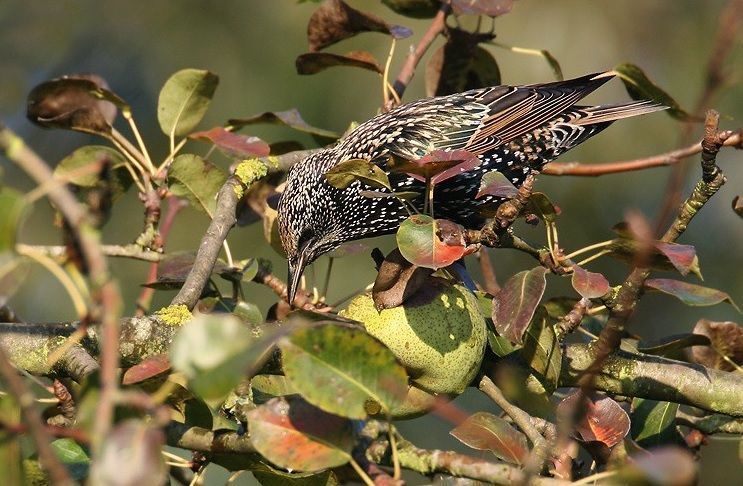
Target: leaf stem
point(142, 147)
point(386, 73)
point(593, 257)
point(585, 249)
point(393, 446)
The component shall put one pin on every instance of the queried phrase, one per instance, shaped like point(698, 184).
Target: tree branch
point(132, 251)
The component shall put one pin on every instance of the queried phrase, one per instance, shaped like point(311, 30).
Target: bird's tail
point(592, 115)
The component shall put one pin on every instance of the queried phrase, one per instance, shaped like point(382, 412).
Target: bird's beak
point(295, 275)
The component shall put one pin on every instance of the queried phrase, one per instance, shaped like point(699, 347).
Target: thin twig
point(127, 251)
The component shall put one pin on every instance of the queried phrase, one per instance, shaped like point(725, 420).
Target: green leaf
point(84, 168)
point(654, 423)
point(344, 174)
point(640, 87)
point(184, 99)
point(487, 432)
point(13, 208)
point(542, 350)
point(215, 352)
point(266, 387)
point(73, 456)
point(430, 243)
point(517, 300)
point(340, 369)
point(295, 435)
point(197, 180)
point(690, 294)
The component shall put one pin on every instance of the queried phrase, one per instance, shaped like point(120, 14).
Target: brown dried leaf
point(334, 21)
point(314, 62)
point(725, 337)
point(397, 281)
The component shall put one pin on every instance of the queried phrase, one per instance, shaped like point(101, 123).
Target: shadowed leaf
point(174, 268)
point(137, 443)
point(640, 87)
point(517, 300)
point(590, 285)
point(13, 208)
point(334, 21)
point(197, 180)
point(78, 102)
point(541, 205)
point(542, 350)
point(431, 243)
point(417, 9)
point(184, 99)
point(397, 281)
point(487, 432)
point(74, 457)
point(314, 62)
point(232, 144)
point(290, 118)
point(94, 166)
point(149, 368)
point(602, 420)
point(438, 165)
point(690, 294)
point(491, 8)
point(461, 64)
point(295, 435)
point(737, 205)
point(344, 174)
point(670, 344)
point(340, 369)
point(672, 466)
point(496, 184)
point(725, 339)
point(654, 423)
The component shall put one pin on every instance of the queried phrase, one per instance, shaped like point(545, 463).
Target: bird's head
point(306, 218)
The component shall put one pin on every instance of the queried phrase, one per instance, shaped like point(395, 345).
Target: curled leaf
point(438, 165)
point(232, 144)
point(640, 87)
point(335, 20)
point(314, 62)
point(397, 281)
point(76, 102)
point(290, 118)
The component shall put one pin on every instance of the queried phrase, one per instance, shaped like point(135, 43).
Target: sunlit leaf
point(640, 87)
point(496, 184)
point(290, 118)
point(184, 99)
point(340, 369)
point(542, 350)
point(491, 8)
point(345, 173)
point(78, 102)
point(690, 294)
point(315, 62)
point(590, 285)
point(150, 367)
point(233, 144)
point(131, 442)
point(461, 64)
point(602, 419)
point(295, 435)
point(430, 243)
point(334, 21)
point(266, 387)
point(487, 432)
point(654, 423)
point(197, 180)
point(725, 339)
point(516, 301)
point(397, 281)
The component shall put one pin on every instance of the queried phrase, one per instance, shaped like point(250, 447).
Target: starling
point(515, 130)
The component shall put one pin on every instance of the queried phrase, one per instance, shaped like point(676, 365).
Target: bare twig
point(126, 251)
point(105, 290)
point(590, 169)
point(303, 300)
point(408, 70)
point(34, 421)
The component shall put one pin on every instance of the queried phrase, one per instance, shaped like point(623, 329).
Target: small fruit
point(439, 334)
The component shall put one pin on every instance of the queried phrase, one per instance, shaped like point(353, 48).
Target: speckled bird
point(515, 130)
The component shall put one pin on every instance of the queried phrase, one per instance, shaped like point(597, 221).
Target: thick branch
point(656, 378)
point(211, 243)
point(591, 169)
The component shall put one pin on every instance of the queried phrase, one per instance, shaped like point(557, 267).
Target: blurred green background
point(252, 44)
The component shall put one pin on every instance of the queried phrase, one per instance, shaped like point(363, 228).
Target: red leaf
point(439, 165)
point(589, 284)
point(150, 367)
point(234, 144)
point(603, 419)
point(431, 243)
point(516, 301)
point(690, 294)
point(487, 432)
point(293, 434)
point(496, 184)
point(683, 257)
